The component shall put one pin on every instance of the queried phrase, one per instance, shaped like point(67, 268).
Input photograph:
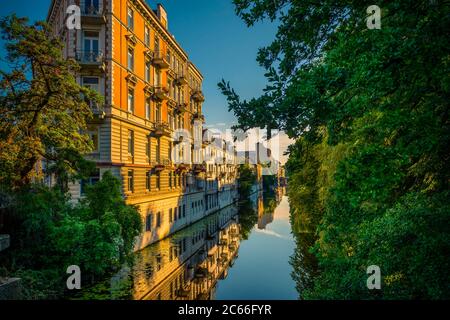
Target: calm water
point(262, 270)
point(241, 252)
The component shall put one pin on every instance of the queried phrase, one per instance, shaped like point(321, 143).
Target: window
point(130, 19)
point(130, 180)
point(169, 151)
point(130, 59)
point(148, 222)
point(148, 150)
point(90, 7)
point(179, 212)
point(158, 219)
point(158, 181)
point(147, 36)
point(170, 118)
point(147, 108)
point(148, 177)
point(131, 100)
point(184, 210)
point(158, 151)
point(170, 179)
point(157, 79)
point(93, 135)
point(156, 45)
point(158, 113)
point(158, 260)
point(91, 51)
point(93, 179)
point(93, 84)
point(170, 215)
point(176, 213)
point(131, 144)
point(147, 70)
point(175, 216)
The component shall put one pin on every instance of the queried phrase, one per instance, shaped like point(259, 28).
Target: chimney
point(162, 15)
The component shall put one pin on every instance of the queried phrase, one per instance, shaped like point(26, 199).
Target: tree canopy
point(43, 110)
point(369, 109)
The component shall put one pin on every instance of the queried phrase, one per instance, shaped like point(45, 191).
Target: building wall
point(180, 108)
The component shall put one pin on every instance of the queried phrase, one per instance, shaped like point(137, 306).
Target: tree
point(50, 233)
point(381, 96)
point(43, 110)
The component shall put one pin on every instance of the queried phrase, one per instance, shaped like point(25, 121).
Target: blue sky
point(216, 40)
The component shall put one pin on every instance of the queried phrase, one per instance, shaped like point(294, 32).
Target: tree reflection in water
point(189, 264)
point(303, 262)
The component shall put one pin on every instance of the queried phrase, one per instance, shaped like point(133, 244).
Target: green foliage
point(248, 217)
point(43, 110)
point(368, 174)
point(52, 234)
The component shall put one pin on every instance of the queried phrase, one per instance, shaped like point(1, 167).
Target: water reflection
point(263, 270)
point(188, 265)
point(193, 263)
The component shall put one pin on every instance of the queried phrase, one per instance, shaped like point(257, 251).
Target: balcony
point(171, 73)
point(160, 60)
point(199, 168)
point(199, 116)
point(201, 272)
point(90, 60)
point(161, 93)
point(184, 291)
point(182, 167)
point(162, 129)
point(98, 111)
point(92, 12)
point(198, 96)
point(149, 89)
point(181, 107)
point(181, 80)
point(160, 165)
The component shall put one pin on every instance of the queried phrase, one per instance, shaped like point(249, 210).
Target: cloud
point(272, 233)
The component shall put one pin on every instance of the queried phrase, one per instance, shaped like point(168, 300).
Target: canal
point(241, 252)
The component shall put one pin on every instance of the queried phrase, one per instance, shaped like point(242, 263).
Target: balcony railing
point(182, 107)
point(160, 60)
point(162, 129)
point(198, 96)
point(97, 110)
point(161, 93)
point(89, 57)
point(199, 116)
point(91, 7)
point(181, 80)
point(92, 12)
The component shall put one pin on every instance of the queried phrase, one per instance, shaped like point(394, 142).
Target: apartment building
point(149, 130)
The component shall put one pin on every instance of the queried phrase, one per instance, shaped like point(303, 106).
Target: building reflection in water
point(266, 206)
point(187, 265)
